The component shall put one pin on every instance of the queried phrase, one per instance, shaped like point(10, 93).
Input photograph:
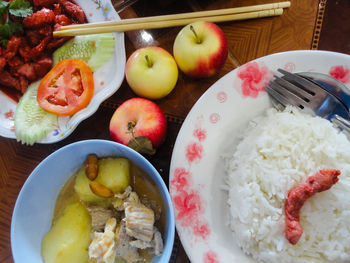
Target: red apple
point(138, 118)
point(200, 49)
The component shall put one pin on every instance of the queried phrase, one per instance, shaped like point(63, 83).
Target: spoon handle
point(344, 124)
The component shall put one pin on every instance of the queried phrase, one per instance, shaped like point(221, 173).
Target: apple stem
point(195, 34)
point(149, 62)
point(131, 126)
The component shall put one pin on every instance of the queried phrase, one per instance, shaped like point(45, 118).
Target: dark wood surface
point(307, 24)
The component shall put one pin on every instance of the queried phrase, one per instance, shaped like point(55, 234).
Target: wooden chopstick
point(227, 11)
point(174, 20)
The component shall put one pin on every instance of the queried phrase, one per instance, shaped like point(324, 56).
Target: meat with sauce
point(27, 56)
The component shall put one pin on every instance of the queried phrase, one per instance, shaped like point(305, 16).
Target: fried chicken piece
point(42, 66)
point(40, 18)
point(62, 20)
point(321, 181)
point(37, 50)
point(33, 37)
point(12, 47)
point(23, 84)
point(15, 61)
point(46, 30)
point(24, 51)
point(57, 42)
point(45, 3)
point(7, 80)
point(2, 63)
point(27, 70)
point(57, 9)
point(73, 10)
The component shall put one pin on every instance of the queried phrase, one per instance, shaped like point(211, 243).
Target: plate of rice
point(236, 158)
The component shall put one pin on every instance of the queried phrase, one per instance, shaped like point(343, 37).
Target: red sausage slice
point(321, 181)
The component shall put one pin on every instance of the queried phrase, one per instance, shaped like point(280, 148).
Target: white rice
point(279, 151)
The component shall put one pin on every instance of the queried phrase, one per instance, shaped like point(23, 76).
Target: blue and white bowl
point(33, 211)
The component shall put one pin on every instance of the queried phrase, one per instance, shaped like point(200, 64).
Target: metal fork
point(292, 89)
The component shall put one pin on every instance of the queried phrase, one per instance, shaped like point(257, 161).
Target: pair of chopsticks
point(220, 15)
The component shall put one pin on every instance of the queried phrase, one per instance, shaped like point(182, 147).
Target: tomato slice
point(67, 88)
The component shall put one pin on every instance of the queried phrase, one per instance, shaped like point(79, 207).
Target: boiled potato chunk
point(82, 188)
point(114, 173)
point(69, 238)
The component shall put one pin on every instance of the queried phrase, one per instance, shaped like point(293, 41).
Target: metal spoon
point(337, 89)
point(330, 84)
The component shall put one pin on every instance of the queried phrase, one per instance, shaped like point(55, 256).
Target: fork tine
point(319, 103)
point(289, 96)
point(293, 88)
point(309, 85)
point(278, 97)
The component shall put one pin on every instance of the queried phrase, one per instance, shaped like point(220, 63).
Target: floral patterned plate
point(107, 79)
point(210, 130)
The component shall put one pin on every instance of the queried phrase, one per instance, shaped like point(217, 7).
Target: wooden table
point(307, 24)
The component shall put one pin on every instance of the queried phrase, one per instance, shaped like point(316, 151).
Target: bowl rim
point(170, 217)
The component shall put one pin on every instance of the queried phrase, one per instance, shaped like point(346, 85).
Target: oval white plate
point(107, 80)
point(210, 130)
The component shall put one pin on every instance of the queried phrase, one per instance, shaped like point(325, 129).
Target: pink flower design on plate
point(189, 208)
point(210, 257)
point(200, 134)
point(201, 229)
point(188, 204)
point(221, 96)
point(290, 66)
point(254, 78)
point(9, 114)
point(194, 152)
point(214, 118)
point(181, 179)
point(341, 73)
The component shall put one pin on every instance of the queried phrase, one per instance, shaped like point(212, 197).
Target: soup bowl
point(33, 212)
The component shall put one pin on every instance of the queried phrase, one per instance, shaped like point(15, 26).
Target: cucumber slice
point(95, 50)
point(32, 123)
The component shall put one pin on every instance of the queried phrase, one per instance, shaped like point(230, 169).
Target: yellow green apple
point(200, 49)
point(151, 72)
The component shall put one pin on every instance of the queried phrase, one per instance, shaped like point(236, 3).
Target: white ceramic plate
point(210, 130)
point(107, 79)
